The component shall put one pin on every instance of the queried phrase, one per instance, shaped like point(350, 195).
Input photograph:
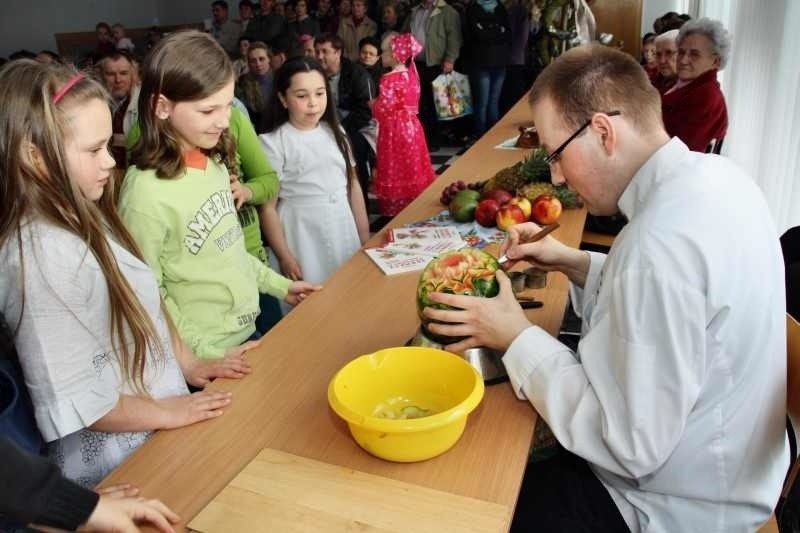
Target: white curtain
point(762, 89)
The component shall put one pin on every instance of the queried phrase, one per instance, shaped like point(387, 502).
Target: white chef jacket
point(677, 394)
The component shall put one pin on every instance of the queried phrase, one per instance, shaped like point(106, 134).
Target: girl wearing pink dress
point(404, 167)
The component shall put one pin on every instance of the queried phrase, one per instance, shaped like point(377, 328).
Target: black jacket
point(267, 28)
point(356, 89)
point(33, 490)
point(488, 35)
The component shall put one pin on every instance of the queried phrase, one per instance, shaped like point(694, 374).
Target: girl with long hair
point(96, 349)
point(176, 199)
point(319, 219)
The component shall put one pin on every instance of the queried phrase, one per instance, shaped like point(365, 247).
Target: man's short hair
point(220, 3)
point(115, 55)
point(335, 40)
point(245, 3)
point(102, 25)
point(594, 78)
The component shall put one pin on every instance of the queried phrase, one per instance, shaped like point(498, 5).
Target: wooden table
point(282, 404)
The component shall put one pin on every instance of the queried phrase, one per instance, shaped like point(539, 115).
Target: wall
point(652, 9)
point(184, 11)
point(49, 17)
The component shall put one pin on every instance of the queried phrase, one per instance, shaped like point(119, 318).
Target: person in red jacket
point(694, 108)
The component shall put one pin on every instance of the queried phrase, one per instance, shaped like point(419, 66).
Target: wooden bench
point(75, 46)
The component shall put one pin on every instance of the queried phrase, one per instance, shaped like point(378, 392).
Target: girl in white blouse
point(319, 218)
point(100, 358)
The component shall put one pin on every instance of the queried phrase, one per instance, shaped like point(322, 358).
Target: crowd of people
point(126, 297)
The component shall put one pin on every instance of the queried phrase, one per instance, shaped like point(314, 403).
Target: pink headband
point(67, 86)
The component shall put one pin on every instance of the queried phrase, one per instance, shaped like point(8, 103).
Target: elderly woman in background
point(666, 61)
point(694, 108)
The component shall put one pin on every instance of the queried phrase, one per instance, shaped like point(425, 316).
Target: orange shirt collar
point(195, 159)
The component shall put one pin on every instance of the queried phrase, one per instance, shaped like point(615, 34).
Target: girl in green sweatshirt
point(177, 202)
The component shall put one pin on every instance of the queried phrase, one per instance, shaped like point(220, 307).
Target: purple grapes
point(449, 192)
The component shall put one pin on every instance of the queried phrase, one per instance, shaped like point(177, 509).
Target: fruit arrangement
point(449, 192)
point(510, 196)
point(531, 178)
point(469, 272)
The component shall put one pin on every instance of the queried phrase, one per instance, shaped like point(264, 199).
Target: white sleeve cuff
point(528, 350)
point(583, 298)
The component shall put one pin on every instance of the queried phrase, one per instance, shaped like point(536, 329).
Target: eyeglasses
point(556, 155)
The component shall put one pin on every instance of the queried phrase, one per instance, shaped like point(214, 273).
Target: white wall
point(32, 24)
point(652, 9)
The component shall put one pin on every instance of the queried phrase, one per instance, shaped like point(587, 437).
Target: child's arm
point(359, 209)
point(273, 231)
point(258, 174)
point(199, 372)
point(269, 282)
point(140, 413)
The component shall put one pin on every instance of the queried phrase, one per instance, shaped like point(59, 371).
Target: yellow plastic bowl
point(371, 392)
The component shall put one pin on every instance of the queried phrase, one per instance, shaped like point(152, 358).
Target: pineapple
point(532, 190)
point(568, 198)
point(534, 168)
point(509, 179)
point(531, 178)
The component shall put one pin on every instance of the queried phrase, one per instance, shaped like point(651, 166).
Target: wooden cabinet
point(623, 19)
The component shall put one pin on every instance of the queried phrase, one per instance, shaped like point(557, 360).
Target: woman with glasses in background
point(694, 108)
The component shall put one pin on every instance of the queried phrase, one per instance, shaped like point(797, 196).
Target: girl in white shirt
point(319, 219)
point(102, 362)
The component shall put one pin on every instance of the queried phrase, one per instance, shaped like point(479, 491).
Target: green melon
point(469, 272)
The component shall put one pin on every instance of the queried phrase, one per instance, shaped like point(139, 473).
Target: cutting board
point(281, 492)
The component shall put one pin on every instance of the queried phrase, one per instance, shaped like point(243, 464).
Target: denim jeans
point(269, 316)
point(489, 84)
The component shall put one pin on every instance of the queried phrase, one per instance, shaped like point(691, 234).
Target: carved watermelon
point(468, 271)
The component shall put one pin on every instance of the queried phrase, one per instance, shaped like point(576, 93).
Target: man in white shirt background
point(671, 412)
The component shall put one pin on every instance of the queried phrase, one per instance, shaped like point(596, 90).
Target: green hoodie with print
point(188, 231)
point(254, 171)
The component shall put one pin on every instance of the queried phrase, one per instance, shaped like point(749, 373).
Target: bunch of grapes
point(449, 192)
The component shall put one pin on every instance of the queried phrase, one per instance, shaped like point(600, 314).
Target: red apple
point(546, 209)
point(501, 196)
point(486, 213)
point(523, 204)
point(508, 215)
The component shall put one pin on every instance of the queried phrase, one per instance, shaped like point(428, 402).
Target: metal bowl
point(486, 361)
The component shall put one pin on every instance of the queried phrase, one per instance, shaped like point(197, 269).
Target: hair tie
point(67, 86)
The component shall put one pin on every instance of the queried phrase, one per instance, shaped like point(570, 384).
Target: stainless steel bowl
point(486, 361)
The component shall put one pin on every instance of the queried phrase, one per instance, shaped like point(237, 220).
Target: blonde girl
point(95, 347)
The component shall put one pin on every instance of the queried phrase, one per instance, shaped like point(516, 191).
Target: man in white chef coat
point(671, 412)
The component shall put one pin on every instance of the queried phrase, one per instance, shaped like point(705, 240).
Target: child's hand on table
point(299, 290)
